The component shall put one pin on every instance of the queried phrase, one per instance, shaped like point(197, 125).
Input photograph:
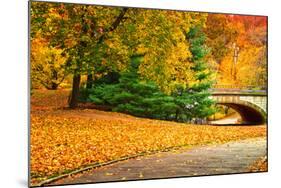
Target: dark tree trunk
point(226, 110)
point(73, 103)
point(177, 115)
point(89, 81)
point(54, 86)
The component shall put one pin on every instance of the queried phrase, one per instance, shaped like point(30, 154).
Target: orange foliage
point(249, 36)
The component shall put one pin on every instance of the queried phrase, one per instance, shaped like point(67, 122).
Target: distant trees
point(248, 33)
point(251, 65)
point(220, 34)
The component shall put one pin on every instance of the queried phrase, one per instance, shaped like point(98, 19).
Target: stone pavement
point(232, 157)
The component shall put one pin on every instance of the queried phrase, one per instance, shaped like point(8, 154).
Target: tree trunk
point(226, 110)
point(177, 114)
point(73, 103)
point(89, 81)
point(54, 86)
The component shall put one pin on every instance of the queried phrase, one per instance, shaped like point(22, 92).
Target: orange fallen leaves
point(70, 139)
point(59, 143)
point(260, 165)
point(42, 100)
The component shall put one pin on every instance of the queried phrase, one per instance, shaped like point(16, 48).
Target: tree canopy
point(182, 53)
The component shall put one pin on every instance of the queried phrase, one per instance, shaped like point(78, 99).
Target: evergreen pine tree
point(201, 105)
point(144, 98)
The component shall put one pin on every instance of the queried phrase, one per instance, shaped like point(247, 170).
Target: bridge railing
point(238, 87)
point(249, 89)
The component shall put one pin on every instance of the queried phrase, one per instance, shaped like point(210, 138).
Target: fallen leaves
point(59, 144)
point(70, 139)
point(43, 100)
point(260, 165)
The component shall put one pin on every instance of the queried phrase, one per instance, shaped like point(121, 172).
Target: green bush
point(146, 100)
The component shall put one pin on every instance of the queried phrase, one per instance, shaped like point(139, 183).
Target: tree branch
point(114, 25)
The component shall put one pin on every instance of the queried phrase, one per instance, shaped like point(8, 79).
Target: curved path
point(231, 119)
point(232, 157)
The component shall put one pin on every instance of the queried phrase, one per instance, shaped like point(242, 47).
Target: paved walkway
point(233, 157)
point(231, 119)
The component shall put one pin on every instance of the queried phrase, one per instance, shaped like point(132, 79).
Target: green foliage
point(198, 92)
point(86, 33)
point(145, 99)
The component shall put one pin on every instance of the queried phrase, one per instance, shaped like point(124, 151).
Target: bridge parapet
point(239, 87)
point(239, 92)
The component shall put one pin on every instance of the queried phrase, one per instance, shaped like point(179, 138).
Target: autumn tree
point(220, 34)
point(94, 28)
point(166, 51)
point(82, 31)
point(248, 35)
point(47, 64)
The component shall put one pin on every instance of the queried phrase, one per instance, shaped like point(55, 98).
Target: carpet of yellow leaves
point(64, 139)
point(43, 100)
point(261, 165)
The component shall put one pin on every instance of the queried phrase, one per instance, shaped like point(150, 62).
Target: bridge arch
point(252, 111)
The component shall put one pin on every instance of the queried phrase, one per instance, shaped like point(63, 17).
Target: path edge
point(96, 165)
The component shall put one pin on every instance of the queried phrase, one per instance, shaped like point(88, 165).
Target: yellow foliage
point(47, 63)
point(248, 68)
point(166, 51)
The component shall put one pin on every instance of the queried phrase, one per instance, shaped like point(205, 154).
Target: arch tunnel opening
point(249, 115)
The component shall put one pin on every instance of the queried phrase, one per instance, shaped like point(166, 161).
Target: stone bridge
point(250, 104)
